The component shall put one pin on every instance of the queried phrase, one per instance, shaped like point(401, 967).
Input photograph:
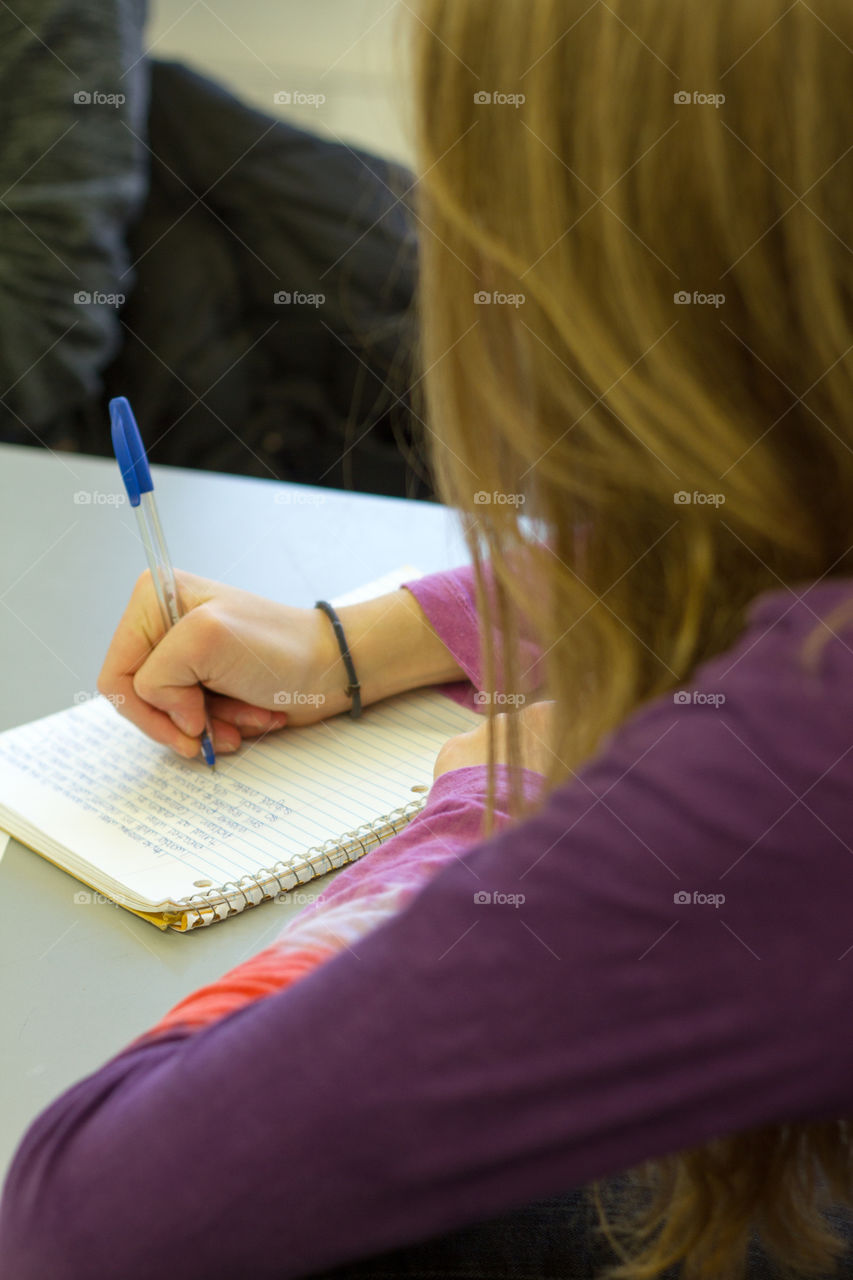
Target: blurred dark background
point(246, 281)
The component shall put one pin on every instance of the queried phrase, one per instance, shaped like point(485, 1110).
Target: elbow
point(56, 1210)
point(55, 1223)
point(64, 1212)
point(37, 1235)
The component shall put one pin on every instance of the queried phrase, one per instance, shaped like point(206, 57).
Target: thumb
point(170, 677)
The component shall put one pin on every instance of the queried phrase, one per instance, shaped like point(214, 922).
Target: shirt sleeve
point(359, 899)
point(449, 600)
point(557, 1003)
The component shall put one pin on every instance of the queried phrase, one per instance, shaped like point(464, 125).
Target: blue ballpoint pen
point(133, 463)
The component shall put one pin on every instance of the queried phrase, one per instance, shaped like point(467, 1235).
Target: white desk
point(77, 983)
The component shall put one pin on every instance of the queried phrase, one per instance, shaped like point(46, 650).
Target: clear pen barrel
point(159, 563)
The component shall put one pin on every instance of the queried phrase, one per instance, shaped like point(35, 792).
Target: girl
point(637, 284)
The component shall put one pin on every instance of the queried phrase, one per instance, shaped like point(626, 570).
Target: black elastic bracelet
point(353, 689)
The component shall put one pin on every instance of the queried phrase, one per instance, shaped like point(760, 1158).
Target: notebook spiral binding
point(200, 909)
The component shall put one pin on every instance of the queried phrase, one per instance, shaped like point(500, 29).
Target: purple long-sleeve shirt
point(679, 969)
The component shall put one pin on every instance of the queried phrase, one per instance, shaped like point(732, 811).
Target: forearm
point(362, 897)
point(427, 633)
point(393, 647)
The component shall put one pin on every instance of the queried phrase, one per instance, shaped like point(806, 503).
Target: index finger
point(138, 632)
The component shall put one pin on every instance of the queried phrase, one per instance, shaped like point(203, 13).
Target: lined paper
point(132, 813)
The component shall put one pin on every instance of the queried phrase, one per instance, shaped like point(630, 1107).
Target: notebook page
point(135, 813)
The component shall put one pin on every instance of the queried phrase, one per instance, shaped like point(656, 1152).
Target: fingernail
point(182, 724)
point(225, 748)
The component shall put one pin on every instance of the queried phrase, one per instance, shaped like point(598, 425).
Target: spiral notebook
point(182, 845)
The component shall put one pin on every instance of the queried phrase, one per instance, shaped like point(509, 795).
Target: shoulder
point(736, 791)
point(777, 705)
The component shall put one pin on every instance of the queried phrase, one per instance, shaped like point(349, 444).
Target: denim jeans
point(553, 1239)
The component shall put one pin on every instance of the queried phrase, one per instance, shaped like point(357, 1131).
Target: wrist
point(353, 687)
point(393, 648)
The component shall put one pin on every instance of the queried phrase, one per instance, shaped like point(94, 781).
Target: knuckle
point(204, 626)
point(143, 686)
point(190, 587)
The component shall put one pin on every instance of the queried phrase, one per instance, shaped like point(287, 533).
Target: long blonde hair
point(635, 315)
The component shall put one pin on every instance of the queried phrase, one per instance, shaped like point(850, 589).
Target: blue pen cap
point(129, 450)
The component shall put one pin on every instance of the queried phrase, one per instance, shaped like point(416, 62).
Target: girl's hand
point(252, 653)
point(472, 748)
point(264, 664)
